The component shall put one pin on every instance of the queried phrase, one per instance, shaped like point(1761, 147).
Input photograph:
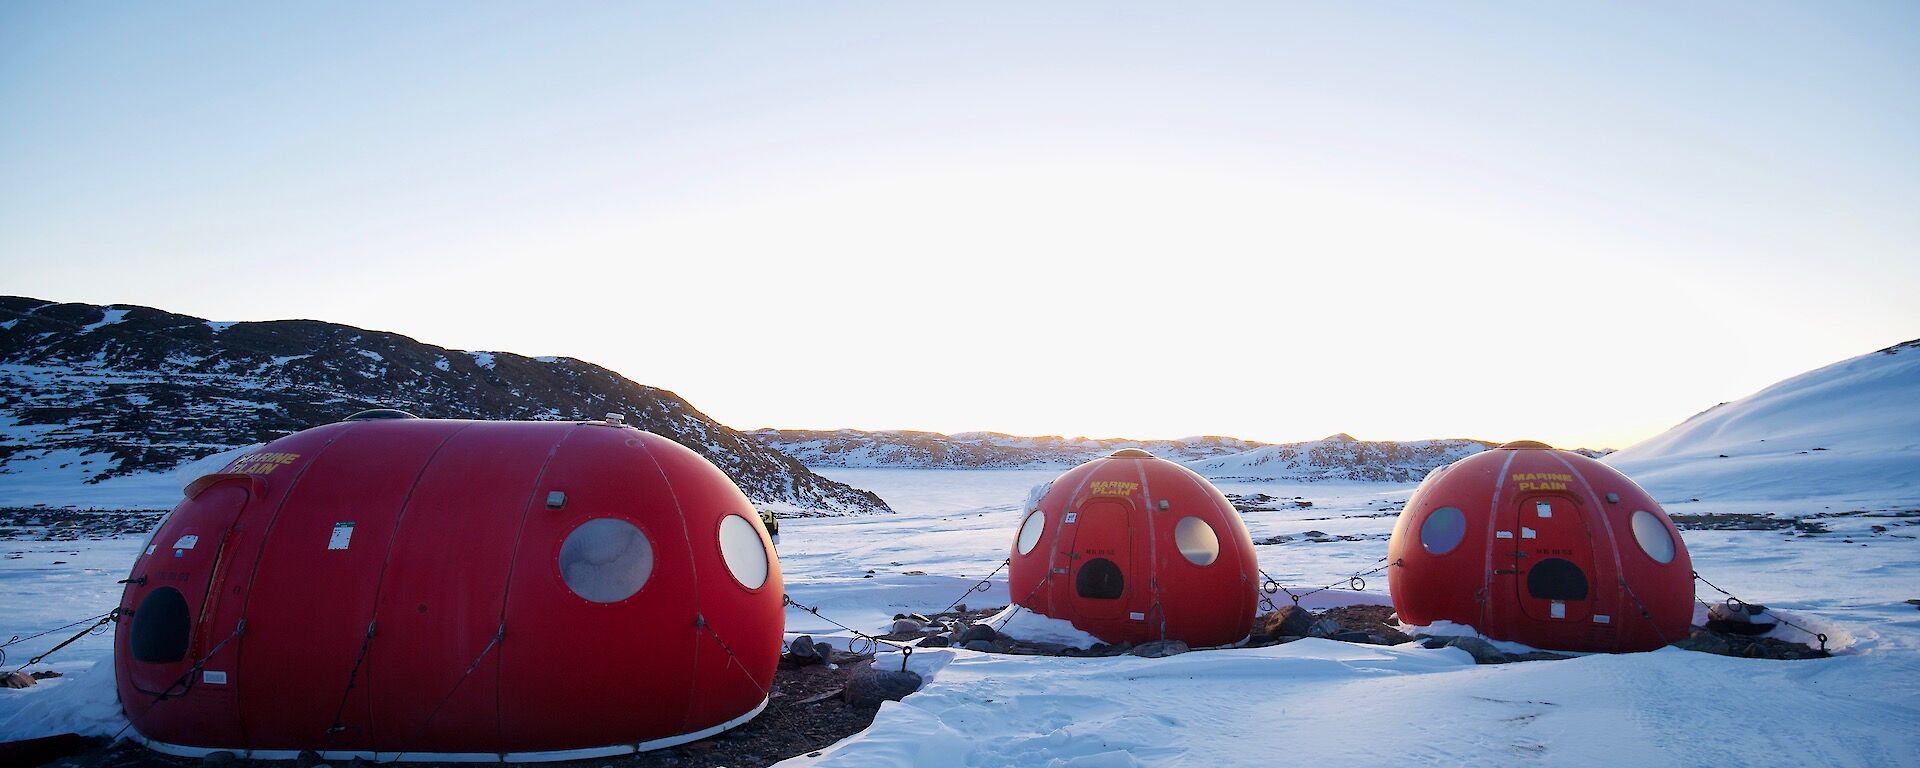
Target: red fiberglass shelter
point(1132, 548)
point(418, 589)
point(1543, 547)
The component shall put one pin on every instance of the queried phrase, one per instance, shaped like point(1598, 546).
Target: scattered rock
point(978, 632)
point(1324, 627)
point(1740, 619)
point(45, 674)
point(306, 759)
point(1482, 651)
point(18, 680)
point(1048, 649)
point(221, 757)
point(936, 641)
point(1376, 621)
point(903, 626)
point(1159, 649)
point(1289, 620)
point(868, 686)
point(1725, 644)
point(804, 651)
point(1098, 650)
point(983, 646)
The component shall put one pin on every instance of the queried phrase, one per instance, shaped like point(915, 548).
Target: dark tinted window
point(1100, 579)
point(1557, 579)
point(160, 627)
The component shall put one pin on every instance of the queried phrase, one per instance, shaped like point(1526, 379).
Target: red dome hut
point(1132, 548)
point(1544, 547)
point(415, 589)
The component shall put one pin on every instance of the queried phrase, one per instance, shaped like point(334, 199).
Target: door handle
point(139, 582)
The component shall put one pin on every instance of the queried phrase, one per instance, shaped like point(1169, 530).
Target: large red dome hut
point(416, 589)
point(1132, 548)
point(1544, 547)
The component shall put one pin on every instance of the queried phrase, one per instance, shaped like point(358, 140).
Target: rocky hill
point(1340, 457)
point(973, 450)
point(1336, 458)
point(97, 393)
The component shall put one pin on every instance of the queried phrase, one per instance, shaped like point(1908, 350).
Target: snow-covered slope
point(1849, 431)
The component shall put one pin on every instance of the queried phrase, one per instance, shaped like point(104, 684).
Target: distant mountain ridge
point(973, 450)
point(1336, 458)
point(100, 392)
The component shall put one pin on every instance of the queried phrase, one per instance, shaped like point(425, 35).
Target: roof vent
point(1129, 453)
point(381, 413)
point(616, 419)
point(1528, 444)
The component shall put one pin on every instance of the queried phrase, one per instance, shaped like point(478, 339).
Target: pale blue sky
point(1574, 223)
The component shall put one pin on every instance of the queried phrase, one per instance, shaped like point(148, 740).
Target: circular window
point(1653, 536)
point(745, 553)
point(606, 560)
point(161, 626)
point(1196, 541)
point(1030, 531)
point(1443, 530)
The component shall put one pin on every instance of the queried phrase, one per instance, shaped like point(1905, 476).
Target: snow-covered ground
point(1314, 699)
point(1332, 702)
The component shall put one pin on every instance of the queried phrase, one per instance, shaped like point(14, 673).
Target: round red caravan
point(416, 589)
point(1543, 547)
point(1132, 548)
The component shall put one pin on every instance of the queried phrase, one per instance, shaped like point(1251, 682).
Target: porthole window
point(606, 560)
point(1196, 540)
point(1443, 530)
point(160, 627)
point(1100, 579)
point(1653, 536)
point(745, 553)
point(1030, 531)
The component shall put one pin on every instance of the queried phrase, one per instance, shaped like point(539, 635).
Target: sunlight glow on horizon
point(1274, 222)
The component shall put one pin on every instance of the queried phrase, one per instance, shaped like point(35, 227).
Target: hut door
point(170, 602)
point(1554, 558)
point(1100, 561)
